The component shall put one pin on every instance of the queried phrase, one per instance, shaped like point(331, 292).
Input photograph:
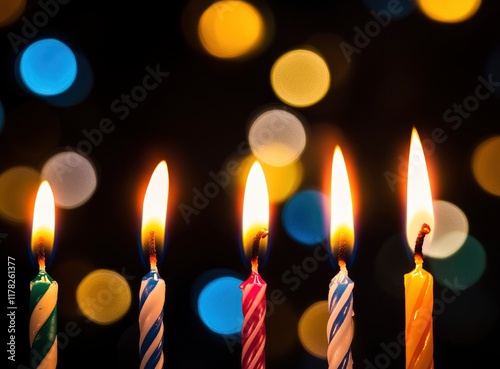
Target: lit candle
point(43, 296)
point(255, 223)
point(418, 283)
point(152, 291)
point(340, 326)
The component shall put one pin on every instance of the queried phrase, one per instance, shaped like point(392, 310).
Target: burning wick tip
point(263, 233)
point(152, 249)
point(342, 250)
point(41, 253)
point(425, 229)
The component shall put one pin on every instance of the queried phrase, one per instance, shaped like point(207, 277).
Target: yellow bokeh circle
point(300, 78)
point(486, 165)
point(103, 296)
point(449, 11)
point(312, 329)
point(231, 29)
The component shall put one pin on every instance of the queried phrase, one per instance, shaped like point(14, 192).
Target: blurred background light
point(449, 11)
point(394, 10)
point(303, 217)
point(231, 29)
point(73, 178)
point(450, 230)
point(2, 117)
point(280, 190)
point(103, 296)
point(486, 165)
point(462, 269)
point(10, 11)
point(312, 329)
point(300, 77)
point(18, 187)
point(218, 302)
point(277, 136)
point(47, 67)
point(79, 89)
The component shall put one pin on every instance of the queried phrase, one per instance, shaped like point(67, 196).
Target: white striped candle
point(340, 327)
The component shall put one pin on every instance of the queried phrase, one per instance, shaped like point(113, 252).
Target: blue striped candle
point(340, 327)
point(152, 299)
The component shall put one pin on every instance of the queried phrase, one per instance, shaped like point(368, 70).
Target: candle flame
point(341, 209)
point(42, 235)
point(255, 209)
point(154, 210)
point(419, 208)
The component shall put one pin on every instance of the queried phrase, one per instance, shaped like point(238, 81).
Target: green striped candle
point(43, 288)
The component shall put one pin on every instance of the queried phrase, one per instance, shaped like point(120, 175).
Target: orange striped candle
point(419, 300)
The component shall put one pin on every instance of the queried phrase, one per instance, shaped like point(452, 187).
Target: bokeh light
point(18, 186)
point(79, 89)
point(2, 117)
point(280, 190)
point(312, 329)
point(47, 67)
point(396, 10)
point(449, 11)
point(34, 129)
point(462, 269)
point(231, 29)
point(450, 230)
point(300, 77)
point(219, 304)
point(486, 165)
point(10, 11)
point(277, 136)
point(303, 217)
point(73, 178)
point(103, 296)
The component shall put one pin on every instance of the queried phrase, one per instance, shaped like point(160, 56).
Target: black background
point(409, 75)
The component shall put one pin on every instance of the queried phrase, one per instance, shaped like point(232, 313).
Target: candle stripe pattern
point(419, 300)
point(340, 327)
point(151, 301)
point(253, 333)
point(43, 322)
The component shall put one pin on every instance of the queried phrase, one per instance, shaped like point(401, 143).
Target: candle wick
point(342, 250)
point(152, 249)
point(425, 229)
point(255, 248)
point(41, 253)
